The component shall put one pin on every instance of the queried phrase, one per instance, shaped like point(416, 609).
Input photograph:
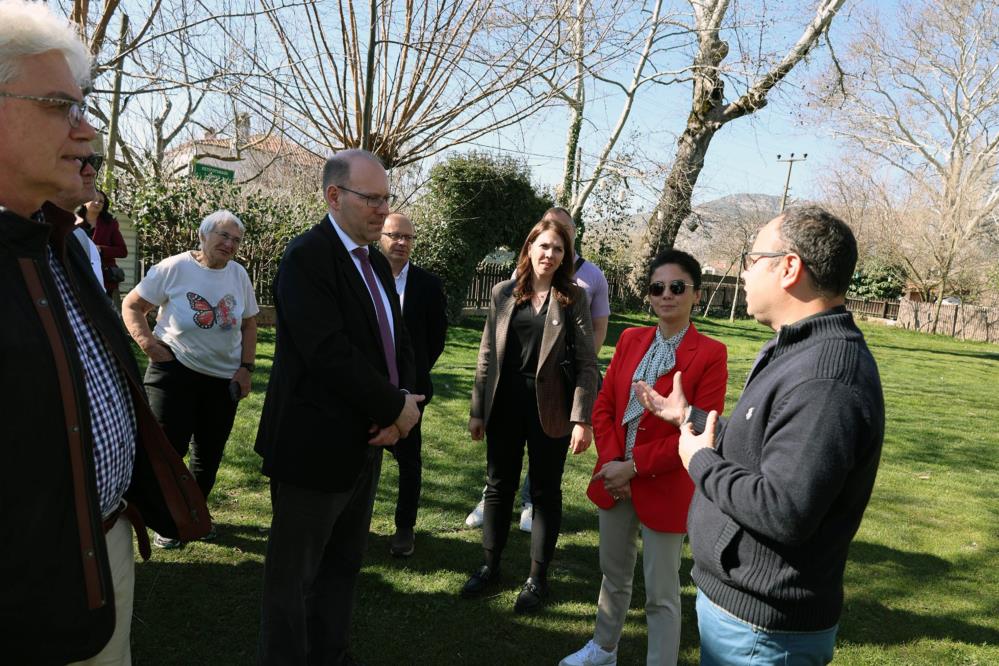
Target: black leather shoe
point(531, 598)
point(480, 581)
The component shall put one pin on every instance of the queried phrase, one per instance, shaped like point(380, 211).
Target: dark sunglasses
point(677, 287)
point(94, 160)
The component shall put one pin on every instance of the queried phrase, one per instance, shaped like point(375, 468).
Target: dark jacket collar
point(22, 236)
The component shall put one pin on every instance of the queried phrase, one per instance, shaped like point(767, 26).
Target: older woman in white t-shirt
point(202, 349)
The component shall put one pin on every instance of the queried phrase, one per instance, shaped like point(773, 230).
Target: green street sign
point(207, 172)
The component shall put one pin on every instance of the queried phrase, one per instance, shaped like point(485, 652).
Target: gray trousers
point(619, 529)
point(314, 555)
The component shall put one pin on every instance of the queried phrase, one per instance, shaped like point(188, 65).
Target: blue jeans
point(727, 640)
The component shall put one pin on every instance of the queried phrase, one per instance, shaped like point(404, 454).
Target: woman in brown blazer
point(536, 321)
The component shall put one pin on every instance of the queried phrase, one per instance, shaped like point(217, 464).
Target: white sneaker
point(474, 519)
point(591, 654)
point(527, 517)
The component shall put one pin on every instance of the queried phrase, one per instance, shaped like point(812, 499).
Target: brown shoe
point(403, 542)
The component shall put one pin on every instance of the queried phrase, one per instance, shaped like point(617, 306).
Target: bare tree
point(170, 73)
point(405, 79)
point(710, 110)
point(601, 39)
point(923, 99)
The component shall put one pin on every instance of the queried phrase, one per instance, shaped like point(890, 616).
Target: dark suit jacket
point(329, 382)
point(425, 311)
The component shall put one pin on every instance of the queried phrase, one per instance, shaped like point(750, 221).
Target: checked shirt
point(112, 417)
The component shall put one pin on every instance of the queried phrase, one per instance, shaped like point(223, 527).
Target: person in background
point(201, 353)
point(91, 166)
point(86, 459)
point(98, 223)
point(782, 484)
point(639, 485)
point(424, 309)
point(537, 329)
point(588, 276)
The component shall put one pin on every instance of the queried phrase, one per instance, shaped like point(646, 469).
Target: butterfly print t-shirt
point(201, 311)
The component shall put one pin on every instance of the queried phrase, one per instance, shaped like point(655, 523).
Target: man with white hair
point(78, 437)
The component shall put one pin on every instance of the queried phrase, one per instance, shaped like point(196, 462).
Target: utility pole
point(787, 183)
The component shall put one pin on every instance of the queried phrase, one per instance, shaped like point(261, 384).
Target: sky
point(742, 157)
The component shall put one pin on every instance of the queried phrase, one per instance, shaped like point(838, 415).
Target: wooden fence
point(967, 322)
point(879, 309)
point(621, 297)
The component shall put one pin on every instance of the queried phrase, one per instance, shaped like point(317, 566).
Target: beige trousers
point(619, 529)
point(118, 651)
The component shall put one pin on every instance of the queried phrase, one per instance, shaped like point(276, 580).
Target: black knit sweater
point(780, 498)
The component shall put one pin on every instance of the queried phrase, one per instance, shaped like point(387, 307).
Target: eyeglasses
point(373, 200)
point(76, 111)
point(747, 264)
point(677, 287)
point(397, 238)
point(235, 240)
point(94, 160)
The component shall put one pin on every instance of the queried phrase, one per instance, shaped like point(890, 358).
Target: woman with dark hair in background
point(100, 225)
point(535, 381)
point(639, 484)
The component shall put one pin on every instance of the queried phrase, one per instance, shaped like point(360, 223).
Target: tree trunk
point(674, 203)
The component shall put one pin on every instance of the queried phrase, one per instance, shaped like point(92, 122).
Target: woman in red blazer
point(639, 484)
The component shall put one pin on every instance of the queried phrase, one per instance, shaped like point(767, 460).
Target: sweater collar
point(836, 322)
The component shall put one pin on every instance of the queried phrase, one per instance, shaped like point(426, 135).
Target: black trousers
point(408, 453)
point(196, 412)
point(314, 555)
point(512, 422)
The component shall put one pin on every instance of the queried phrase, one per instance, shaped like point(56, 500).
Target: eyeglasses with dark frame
point(373, 200)
point(94, 160)
point(747, 264)
point(396, 237)
point(76, 111)
point(676, 287)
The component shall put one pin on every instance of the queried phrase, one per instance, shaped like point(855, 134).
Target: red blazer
point(662, 490)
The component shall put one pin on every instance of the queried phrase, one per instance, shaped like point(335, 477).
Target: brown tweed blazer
point(556, 416)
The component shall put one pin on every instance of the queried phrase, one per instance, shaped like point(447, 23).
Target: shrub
point(474, 204)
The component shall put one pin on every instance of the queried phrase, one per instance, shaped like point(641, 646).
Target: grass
point(921, 584)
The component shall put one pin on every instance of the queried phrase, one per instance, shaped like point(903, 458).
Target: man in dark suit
point(336, 397)
point(424, 307)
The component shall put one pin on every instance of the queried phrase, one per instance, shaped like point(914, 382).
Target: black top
point(523, 340)
point(425, 312)
point(782, 495)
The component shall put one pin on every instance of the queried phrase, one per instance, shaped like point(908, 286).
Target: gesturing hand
point(670, 408)
point(691, 443)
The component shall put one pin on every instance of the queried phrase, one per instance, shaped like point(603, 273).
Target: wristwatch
point(248, 366)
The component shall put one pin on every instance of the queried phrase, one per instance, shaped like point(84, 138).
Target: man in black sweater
point(782, 484)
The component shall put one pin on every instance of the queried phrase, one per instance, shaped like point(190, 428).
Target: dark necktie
point(383, 323)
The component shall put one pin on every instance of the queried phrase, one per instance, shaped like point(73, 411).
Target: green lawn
point(922, 584)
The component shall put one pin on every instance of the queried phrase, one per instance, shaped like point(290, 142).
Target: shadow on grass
point(871, 615)
point(919, 351)
point(439, 627)
point(196, 606)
